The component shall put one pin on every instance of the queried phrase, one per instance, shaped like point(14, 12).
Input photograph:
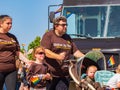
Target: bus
point(93, 25)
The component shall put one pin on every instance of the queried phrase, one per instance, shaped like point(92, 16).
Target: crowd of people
point(48, 67)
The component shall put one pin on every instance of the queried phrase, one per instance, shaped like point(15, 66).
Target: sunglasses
point(41, 53)
point(63, 25)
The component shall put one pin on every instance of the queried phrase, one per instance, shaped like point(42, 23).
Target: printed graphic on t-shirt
point(12, 41)
point(62, 46)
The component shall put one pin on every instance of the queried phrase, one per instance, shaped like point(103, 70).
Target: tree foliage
point(32, 45)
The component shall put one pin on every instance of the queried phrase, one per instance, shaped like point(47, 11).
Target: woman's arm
point(23, 58)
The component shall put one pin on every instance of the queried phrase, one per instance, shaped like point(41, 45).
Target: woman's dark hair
point(3, 17)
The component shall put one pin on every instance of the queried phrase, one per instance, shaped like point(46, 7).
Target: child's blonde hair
point(118, 69)
point(37, 50)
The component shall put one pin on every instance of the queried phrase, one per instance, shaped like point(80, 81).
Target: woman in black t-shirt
point(9, 49)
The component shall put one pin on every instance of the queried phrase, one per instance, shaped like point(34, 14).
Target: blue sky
point(30, 17)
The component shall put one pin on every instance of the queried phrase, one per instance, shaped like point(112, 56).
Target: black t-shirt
point(58, 44)
point(37, 69)
point(9, 47)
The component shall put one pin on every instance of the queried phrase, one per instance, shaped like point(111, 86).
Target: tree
point(32, 45)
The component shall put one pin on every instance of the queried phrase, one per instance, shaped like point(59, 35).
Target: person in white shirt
point(114, 82)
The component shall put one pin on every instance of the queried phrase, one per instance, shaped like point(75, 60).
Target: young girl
point(37, 72)
point(22, 76)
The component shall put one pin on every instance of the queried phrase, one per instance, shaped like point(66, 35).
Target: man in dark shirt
point(59, 47)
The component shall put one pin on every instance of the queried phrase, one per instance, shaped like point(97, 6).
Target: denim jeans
point(9, 78)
